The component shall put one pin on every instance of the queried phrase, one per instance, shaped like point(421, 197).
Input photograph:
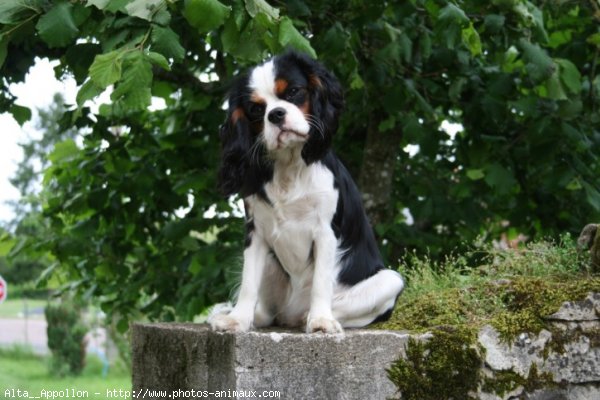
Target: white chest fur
point(303, 200)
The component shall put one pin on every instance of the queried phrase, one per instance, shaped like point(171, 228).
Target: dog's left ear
point(326, 103)
point(235, 144)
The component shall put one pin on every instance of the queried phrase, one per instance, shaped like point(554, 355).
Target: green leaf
point(255, 7)
point(205, 15)
point(554, 88)
point(356, 81)
point(593, 195)
point(456, 88)
point(500, 179)
point(574, 184)
point(144, 9)
point(88, 91)
point(471, 39)
point(20, 114)
point(7, 242)
point(123, 325)
point(63, 151)
point(195, 266)
point(452, 14)
point(57, 27)
point(387, 124)
point(3, 49)
point(569, 75)
point(14, 11)
point(289, 36)
point(532, 16)
point(166, 42)
point(134, 87)
point(106, 68)
point(475, 174)
point(100, 4)
point(17, 247)
point(494, 22)
point(230, 38)
point(539, 65)
point(117, 5)
point(158, 59)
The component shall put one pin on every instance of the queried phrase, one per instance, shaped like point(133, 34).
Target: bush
point(22, 271)
point(66, 334)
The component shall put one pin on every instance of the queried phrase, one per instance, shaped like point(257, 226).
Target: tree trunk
point(377, 172)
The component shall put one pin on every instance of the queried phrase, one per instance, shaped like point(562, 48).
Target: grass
point(14, 308)
point(513, 290)
point(22, 370)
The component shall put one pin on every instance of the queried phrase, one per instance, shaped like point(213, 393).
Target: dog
point(310, 258)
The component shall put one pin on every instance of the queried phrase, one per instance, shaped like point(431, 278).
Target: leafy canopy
point(131, 210)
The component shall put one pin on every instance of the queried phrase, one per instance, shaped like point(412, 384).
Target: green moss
point(514, 293)
point(443, 367)
point(515, 306)
point(428, 311)
point(528, 300)
point(504, 382)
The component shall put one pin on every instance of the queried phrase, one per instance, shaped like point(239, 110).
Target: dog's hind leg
point(370, 300)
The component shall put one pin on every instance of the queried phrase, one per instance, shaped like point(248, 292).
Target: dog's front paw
point(227, 323)
point(323, 324)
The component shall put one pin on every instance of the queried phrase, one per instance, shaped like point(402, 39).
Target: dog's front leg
point(320, 316)
point(241, 316)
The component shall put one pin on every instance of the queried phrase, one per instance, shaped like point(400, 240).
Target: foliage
point(27, 178)
point(18, 272)
point(27, 258)
point(130, 206)
point(66, 334)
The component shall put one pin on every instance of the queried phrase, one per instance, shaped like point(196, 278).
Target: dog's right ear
point(235, 145)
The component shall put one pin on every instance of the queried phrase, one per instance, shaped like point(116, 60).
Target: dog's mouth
point(283, 133)
point(287, 131)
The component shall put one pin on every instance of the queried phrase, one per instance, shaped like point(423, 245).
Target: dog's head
point(289, 102)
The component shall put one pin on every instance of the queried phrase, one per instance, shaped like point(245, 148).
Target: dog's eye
point(256, 109)
point(291, 93)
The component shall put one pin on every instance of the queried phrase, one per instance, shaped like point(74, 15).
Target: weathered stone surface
point(568, 356)
point(516, 356)
point(179, 357)
point(586, 310)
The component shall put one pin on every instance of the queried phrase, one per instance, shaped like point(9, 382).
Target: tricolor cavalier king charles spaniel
point(311, 258)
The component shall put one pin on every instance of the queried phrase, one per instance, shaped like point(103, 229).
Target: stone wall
point(171, 360)
point(566, 357)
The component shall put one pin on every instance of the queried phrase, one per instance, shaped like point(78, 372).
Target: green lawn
point(21, 370)
point(14, 308)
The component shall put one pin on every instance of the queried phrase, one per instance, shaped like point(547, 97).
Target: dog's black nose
point(277, 115)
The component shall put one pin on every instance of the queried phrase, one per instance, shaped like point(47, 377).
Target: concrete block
point(171, 360)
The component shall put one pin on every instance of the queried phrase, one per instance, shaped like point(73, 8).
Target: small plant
point(66, 339)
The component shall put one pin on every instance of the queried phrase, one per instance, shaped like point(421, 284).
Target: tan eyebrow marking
point(314, 81)
point(280, 86)
point(237, 114)
point(305, 107)
point(257, 99)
